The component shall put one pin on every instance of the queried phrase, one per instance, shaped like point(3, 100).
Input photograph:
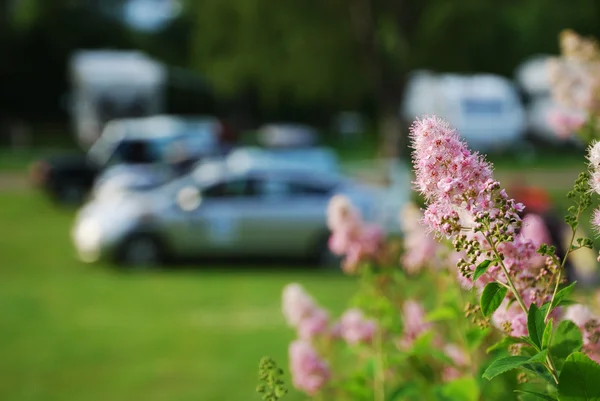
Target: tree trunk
point(393, 135)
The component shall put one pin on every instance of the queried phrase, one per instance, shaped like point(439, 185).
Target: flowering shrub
point(575, 78)
point(473, 290)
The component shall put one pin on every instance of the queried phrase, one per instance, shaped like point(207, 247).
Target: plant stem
point(380, 370)
point(562, 265)
point(508, 279)
point(552, 368)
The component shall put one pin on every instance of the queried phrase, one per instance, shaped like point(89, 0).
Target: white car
point(160, 143)
point(257, 208)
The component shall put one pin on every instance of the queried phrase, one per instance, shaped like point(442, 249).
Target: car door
point(286, 218)
point(215, 226)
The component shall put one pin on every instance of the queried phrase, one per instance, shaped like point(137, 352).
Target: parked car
point(131, 145)
point(222, 208)
point(484, 108)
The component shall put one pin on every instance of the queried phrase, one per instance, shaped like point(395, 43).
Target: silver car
point(220, 209)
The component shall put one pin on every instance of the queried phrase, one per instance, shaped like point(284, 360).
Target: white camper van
point(107, 85)
point(485, 109)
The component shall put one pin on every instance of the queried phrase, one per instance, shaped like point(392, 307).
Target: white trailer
point(110, 84)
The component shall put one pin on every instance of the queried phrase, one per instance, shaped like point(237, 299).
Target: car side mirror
point(189, 198)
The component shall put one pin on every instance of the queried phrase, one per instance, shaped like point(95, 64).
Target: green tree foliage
point(344, 50)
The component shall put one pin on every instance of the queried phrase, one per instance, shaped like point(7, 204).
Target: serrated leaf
point(492, 296)
point(481, 269)
point(579, 379)
point(528, 341)
point(443, 313)
point(503, 365)
point(563, 294)
point(566, 339)
point(540, 371)
point(535, 325)
point(539, 357)
point(536, 394)
point(547, 334)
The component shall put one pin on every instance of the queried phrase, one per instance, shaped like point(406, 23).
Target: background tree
point(344, 51)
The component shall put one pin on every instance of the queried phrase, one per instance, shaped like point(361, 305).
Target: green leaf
point(400, 392)
point(562, 295)
point(539, 357)
point(579, 379)
point(443, 313)
point(422, 344)
point(528, 341)
point(540, 371)
point(503, 365)
point(491, 298)
point(536, 394)
point(481, 269)
point(535, 325)
point(566, 340)
point(464, 389)
point(475, 337)
point(547, 337)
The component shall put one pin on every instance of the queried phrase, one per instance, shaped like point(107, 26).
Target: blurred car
point(485, 109)
point(125, 178)
point(287, 135)
point(223, 208)
point(128, 145)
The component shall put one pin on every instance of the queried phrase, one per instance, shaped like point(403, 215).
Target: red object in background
point(227, 134)
point(535, 199)
point(38, 172)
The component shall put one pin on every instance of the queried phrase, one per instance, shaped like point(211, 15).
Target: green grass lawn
point(69, 331)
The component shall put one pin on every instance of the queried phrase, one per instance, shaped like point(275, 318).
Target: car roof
point(154, 127)
point(217, 170)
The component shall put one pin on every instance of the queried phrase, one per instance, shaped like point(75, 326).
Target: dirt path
point(549, 179)
point(13, 181)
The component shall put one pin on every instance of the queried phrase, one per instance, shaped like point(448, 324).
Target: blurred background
point(206, 137)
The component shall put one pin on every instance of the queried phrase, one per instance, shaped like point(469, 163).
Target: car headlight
point(87, 237)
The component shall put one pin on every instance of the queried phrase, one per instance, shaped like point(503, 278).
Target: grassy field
point(69, 331)
point(74, 332)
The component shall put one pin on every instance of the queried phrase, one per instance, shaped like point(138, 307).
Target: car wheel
point(141, 252)
point(70, 194)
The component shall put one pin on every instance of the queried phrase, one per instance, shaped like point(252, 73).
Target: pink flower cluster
point(420, 247)
point(350, 235)
point(466, 203)
point(354, 328)
point(459, 358)
point(457, 184)
point(566, 122)
point(594, 167)
point(576, 74)
point(575, 78)
point(589, 324)
point(302, 313)
point(309, 372)
point(414, 322)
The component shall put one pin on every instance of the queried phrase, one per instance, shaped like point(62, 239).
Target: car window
point(277, 188)
point(235, 188)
